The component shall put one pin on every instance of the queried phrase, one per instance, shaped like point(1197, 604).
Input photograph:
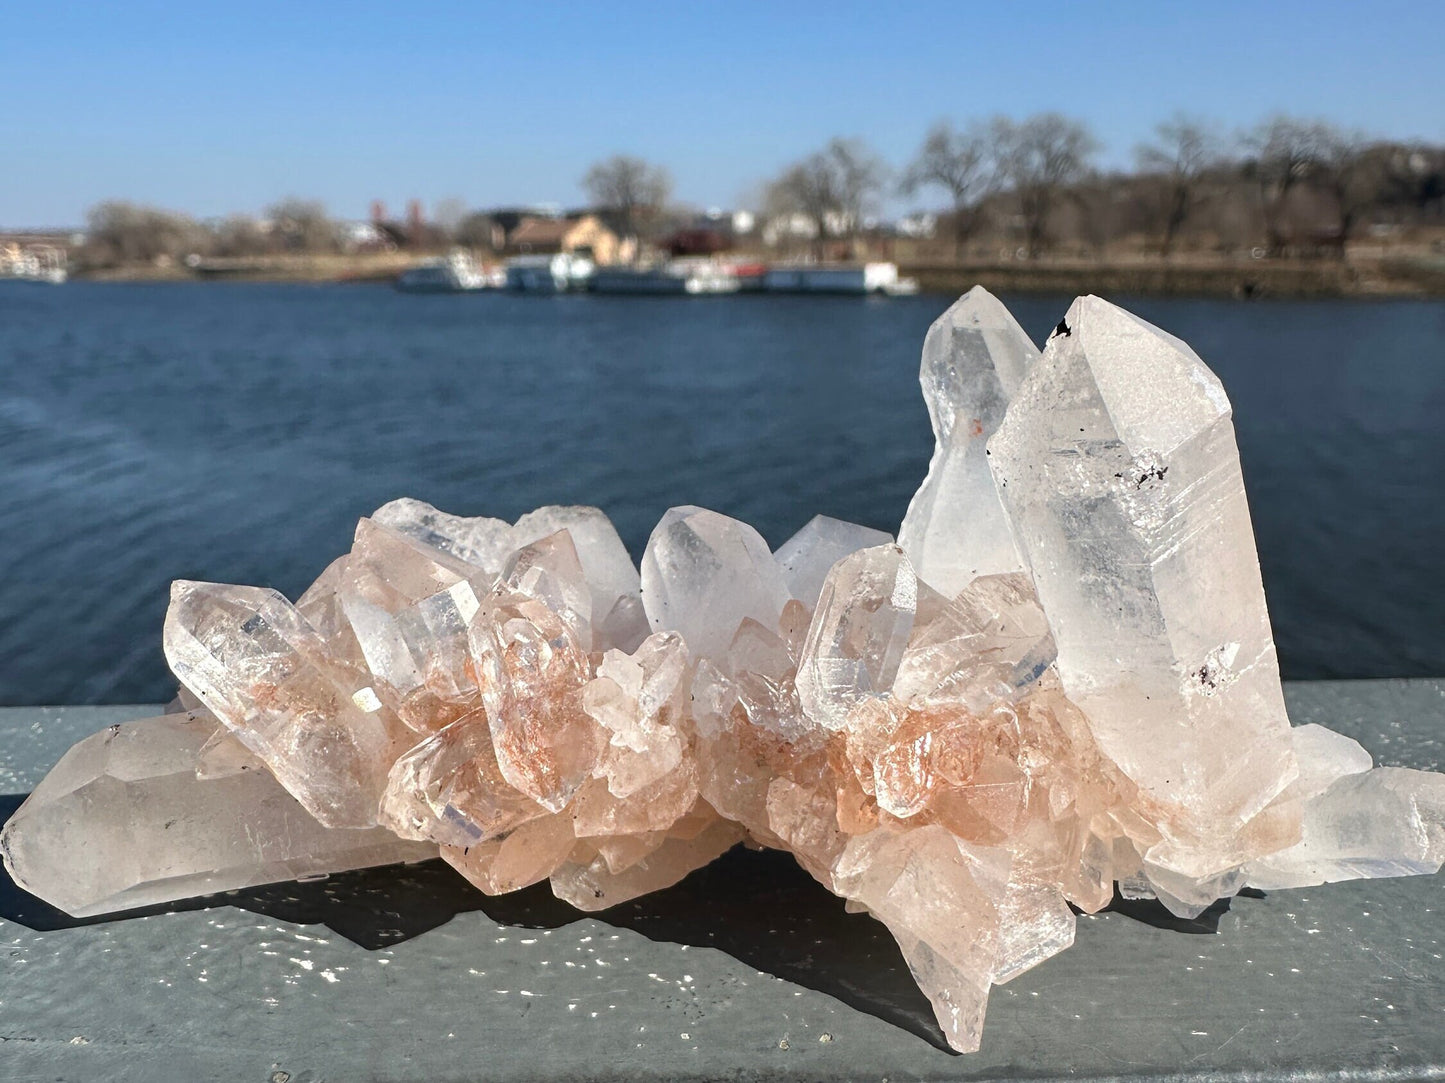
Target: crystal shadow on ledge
point(803, 935)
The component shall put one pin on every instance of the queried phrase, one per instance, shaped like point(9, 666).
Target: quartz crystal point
point(1062, 679)
point(487, 543)
point(1385, 822)
point(407, 606)
point(617, 616)
point(532, 664)
point(974, 358)
point(703, 574)
point(806, 558)
point(261, 669)
point(1118, 468)
point(123, 821)
point(481, 542)
point(1358, 822)
point(856, 641)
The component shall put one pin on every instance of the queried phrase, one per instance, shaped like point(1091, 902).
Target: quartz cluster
point(1060, 680)
point(491, 688)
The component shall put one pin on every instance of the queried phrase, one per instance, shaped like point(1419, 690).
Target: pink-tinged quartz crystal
point(1062, 679)
point(124, 820)
point(533, 727)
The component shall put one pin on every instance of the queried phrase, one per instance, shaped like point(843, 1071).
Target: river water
point(235, 432)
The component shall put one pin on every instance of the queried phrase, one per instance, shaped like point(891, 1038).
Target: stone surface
point(1076, 689)
point(122, 822)
point(712, 978)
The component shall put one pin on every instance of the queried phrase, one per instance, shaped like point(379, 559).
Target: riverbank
point(369, 267)
point(1184, 277)
point(1243, 279)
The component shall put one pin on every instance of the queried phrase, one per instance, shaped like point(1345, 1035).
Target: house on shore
point(583, 234)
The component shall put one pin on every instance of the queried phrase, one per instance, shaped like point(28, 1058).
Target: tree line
point(1031, 187)
point(120, 232)
point(1288, 186)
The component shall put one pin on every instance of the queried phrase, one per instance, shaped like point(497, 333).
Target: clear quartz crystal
point(974, 358)
point(594, 886)
point(610, 574)
point(123, 821)
point(487, 543)
point(407, 606)
point(481, 542)
point(703, 574)
point(858, 634)
point(1389, 821)
point(1118, 467)
point(806, 558)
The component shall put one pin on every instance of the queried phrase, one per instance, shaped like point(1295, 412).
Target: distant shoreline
point(1182, 277)
point(1244, 280)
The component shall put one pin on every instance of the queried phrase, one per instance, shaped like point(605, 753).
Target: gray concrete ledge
point(747, 970)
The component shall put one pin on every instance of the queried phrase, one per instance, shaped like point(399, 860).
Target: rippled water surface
point(236, 432)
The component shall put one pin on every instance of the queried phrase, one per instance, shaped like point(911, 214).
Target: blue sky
point(217, 107)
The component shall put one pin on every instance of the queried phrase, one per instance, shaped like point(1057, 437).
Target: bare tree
point(861, 177)
point(119, 232)
point(1039, 158)
point(1286, 150)
point(833, 188)
point(961, 163)
point(449, 213)
point(302, 225)
point(637, 190)
point(1353, 172)
point(480, 230)
point(238, 235)
point(806, 189)
point(1182, 152)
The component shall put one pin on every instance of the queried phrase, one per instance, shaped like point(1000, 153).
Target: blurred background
point(263, 270)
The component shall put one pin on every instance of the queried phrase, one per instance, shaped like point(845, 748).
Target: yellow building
point(581, 235)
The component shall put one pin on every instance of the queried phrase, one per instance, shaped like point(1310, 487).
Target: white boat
point(456, 272)
point(851, 278)
point(683, 277)
point(559, 273)
point(39, 263)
